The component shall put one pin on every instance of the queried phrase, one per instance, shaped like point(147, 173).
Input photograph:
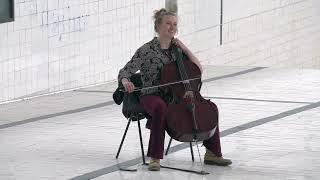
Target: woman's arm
point(128, 70)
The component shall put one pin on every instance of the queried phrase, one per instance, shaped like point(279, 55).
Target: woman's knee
point(160, 106)
point(154, 104)
point(214, 106)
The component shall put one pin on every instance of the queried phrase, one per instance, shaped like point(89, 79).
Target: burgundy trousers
point(156, 107)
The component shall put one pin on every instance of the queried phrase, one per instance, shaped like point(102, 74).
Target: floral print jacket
point(149, 59)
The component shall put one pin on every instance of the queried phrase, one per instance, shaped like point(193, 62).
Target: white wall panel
point(59, 45)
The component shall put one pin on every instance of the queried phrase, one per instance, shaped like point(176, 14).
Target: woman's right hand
point(128, 86)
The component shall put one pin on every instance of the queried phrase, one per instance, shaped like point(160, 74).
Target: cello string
point(181, 68)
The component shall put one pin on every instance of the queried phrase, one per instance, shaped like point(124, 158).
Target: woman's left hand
point(187, 51)
point(180, 44)
point(188, 94)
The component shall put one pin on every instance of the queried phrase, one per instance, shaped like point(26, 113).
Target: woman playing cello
point(150, 59)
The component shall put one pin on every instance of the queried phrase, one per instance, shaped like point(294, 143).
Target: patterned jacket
point(149, 59)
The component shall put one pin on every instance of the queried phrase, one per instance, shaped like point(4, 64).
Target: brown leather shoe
point(212, 159)
point(154, 165)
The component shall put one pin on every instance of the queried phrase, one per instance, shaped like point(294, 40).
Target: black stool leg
point(123, 137)
point(141, 143)
point(168, 147)
point(191, 150)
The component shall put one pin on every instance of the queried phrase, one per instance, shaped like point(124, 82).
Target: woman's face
point(168, 27)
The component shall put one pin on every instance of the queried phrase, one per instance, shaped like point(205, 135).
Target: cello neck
point(180, 66)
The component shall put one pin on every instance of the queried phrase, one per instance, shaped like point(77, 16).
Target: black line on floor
point(233, 74)
point(262, 100)
point(94, 91)
point(16, 123)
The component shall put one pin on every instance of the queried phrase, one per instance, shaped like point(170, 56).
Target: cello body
point(188, 119)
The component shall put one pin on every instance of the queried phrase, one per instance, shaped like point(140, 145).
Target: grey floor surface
point(269, 122)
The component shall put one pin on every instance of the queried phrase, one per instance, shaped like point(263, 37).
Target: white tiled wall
point(278, 33)
point(56, 45)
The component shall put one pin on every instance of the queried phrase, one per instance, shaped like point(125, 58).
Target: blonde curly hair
point(158, 16)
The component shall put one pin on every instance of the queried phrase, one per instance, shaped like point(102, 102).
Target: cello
point(189, 118)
